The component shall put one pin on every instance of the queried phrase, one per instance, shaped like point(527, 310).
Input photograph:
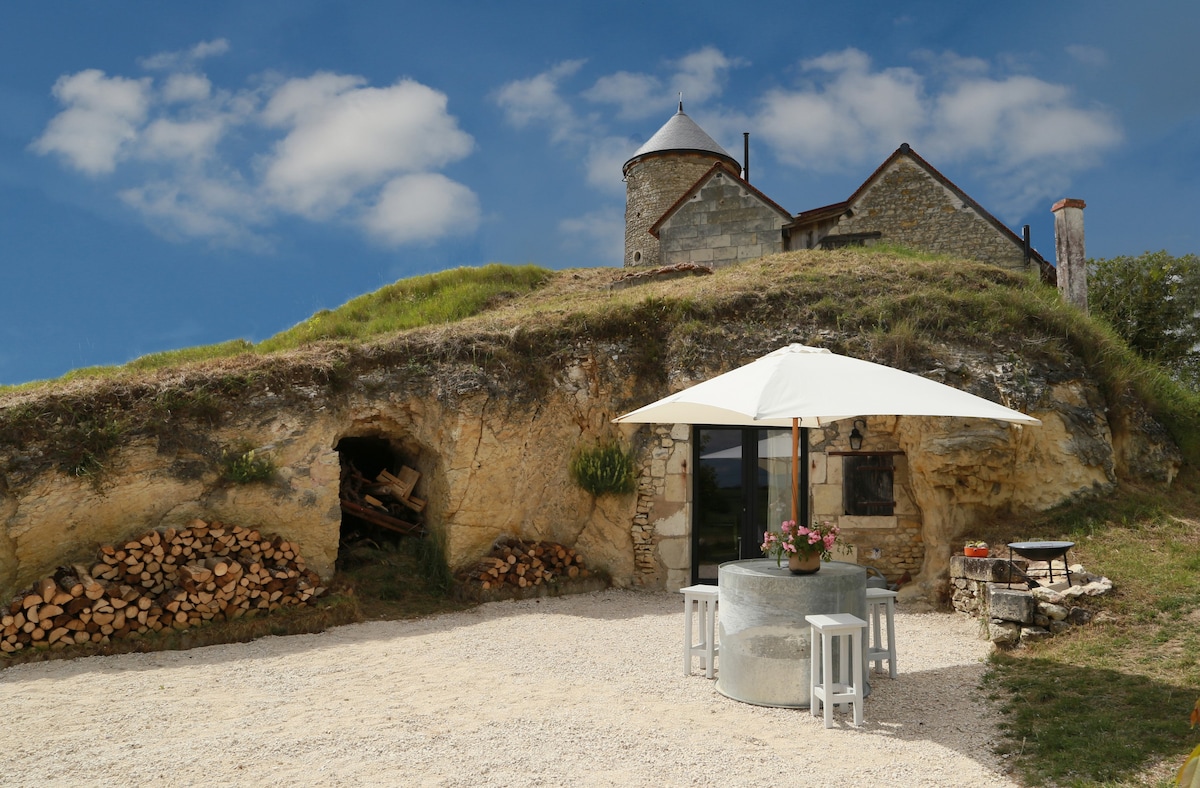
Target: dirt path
point(582, 690)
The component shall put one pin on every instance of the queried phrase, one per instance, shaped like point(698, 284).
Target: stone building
point(687, 201)
point(709, 492)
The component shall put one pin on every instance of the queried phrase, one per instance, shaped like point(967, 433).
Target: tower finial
point(681, 102)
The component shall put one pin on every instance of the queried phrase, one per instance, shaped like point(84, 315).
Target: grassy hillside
point(887, 305)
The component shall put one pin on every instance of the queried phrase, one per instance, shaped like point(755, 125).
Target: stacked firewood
point(387, 501)
point(174, 578)
point(516, 562)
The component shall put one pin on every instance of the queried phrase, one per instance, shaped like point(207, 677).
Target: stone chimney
point(1069, 255)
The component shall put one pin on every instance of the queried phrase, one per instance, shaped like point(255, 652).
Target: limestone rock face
point(490, 468)
point(493, 451)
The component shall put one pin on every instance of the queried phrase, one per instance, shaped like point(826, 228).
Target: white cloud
point(600, 235)
point(100, 120)
point(537, 99)
point(1024, 135)
point(329, 147)
point(604, 160)
point(171, 139)
point(186, 58)
point(420, 208)
point(222, 211)
point(186, 88)
point(699, 76)
point(345, 139)
point(702, 74)
point(1018, 121)
point(635, 95)
point(849, 115)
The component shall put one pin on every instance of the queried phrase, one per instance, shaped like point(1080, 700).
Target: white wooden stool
point(848, 688)
point(700, 599)
point(880, 600)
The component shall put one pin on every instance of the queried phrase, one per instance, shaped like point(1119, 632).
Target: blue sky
point(176, 174)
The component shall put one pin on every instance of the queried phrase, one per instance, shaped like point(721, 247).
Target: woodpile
point(173, 578)
point(518, 563)
point(387, 501)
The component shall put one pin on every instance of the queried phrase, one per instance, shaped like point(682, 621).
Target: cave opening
point(380, 507)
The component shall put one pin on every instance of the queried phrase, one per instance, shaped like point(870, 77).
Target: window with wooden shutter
point(867, 484)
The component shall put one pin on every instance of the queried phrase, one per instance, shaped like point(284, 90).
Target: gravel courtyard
point(580, 690)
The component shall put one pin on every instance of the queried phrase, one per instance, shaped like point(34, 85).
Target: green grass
point(433, 299)
point(604, 469)
point(1107, 704)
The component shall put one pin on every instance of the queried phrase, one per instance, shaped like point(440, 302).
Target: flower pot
point(804, 564)
point(975, 552)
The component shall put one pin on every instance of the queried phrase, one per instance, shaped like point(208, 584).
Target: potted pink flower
point(804, 546)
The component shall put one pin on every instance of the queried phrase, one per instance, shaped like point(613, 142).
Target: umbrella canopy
point(816, 387)
point(799, 387)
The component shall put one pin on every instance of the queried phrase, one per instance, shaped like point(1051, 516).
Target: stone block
point(1034, 634)
point(1004, 633)
point(817, 464)
point(1009, 605)
point(674, 553)
point(869, 522)
point(827, 499)
point(833, 473)
point(1053, 612)
point(681, 432)
point(675, 525)
point(1079, 615)
point(988, 570)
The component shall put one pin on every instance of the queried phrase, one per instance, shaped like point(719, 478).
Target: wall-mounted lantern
point(856, 437)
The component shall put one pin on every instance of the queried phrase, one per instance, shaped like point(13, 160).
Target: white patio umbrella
point(800, 387)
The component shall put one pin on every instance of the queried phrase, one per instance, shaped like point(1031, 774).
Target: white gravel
point(579, 690)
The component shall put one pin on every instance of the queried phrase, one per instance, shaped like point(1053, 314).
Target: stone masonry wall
point(722, 224)
point(908, 207)
point(892, 544)
point(662, 520)
point(651, 187)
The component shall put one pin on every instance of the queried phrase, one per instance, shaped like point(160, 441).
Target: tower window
point(637, 257)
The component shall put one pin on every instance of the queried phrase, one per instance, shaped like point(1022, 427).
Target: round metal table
point(765, 641)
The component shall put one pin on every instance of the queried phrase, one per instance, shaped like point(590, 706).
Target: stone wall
point(652, 186)
point(662, 522)
point(907, 206)
point(1010, 613)
point(723, 223)
point(893, 544)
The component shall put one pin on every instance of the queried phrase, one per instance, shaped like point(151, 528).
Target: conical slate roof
point(680, 133)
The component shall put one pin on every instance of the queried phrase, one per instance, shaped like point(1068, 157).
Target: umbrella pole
point(796, 471)
point(799, 473)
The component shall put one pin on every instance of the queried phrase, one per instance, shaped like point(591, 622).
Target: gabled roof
point(906, 151)
point(733, 175)
point(680, 134)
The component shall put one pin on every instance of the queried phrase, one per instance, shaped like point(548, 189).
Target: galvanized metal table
point(766, 646)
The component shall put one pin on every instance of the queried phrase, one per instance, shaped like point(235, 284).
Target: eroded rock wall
point(495, 463)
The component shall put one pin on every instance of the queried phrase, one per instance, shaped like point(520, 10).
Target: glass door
point(742, 487)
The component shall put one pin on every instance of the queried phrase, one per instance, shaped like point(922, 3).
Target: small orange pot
point(975, 552)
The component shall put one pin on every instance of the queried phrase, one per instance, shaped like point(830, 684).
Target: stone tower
point(658, 174)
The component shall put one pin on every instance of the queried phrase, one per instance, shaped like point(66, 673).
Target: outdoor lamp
point(856, 437)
